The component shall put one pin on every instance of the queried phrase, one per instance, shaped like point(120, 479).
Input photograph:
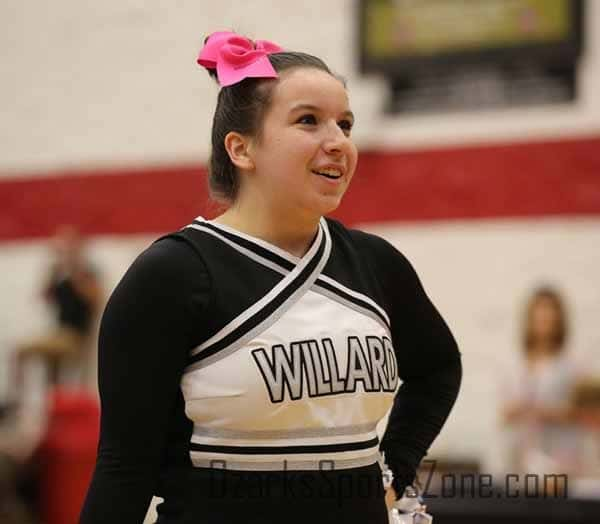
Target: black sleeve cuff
point(404, 475)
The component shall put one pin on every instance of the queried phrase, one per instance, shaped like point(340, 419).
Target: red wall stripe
point(510, 180)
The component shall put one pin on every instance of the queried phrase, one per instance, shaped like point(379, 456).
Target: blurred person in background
point(73, 292)
point(539, 411)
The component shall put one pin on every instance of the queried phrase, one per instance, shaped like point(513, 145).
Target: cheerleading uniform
point(242, 383)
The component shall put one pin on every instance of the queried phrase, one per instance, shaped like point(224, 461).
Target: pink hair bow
point(235, 57)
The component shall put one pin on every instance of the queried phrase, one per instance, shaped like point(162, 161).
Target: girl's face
point(304, 157)
point(544, 319)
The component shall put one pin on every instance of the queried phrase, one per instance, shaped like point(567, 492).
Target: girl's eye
point(307, 119)
point(345, 125)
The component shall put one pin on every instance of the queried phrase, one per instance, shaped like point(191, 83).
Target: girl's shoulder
point(167, 263)
point(376, 250)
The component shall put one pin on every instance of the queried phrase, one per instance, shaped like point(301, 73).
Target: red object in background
point(525, 179)
point(67, 454)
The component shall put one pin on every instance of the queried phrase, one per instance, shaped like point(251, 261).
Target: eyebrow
point(311, 107)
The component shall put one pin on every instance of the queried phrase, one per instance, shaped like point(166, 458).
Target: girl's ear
point(237, 147)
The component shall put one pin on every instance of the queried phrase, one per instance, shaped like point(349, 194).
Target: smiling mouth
point(331, 174)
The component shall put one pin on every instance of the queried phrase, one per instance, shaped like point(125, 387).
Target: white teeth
point(330, 172)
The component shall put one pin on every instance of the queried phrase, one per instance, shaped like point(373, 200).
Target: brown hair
point(560, 330)
point(241, 107)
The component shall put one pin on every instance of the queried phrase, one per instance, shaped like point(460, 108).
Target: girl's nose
point(335, 140)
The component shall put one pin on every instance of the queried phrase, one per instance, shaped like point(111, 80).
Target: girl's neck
point(542, 351)
point(287, 232)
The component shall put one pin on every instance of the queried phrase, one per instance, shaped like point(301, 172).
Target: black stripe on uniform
point(265, 312)
point(284, 450)
point(350, 298)
point(250, 246)
point(289, 266)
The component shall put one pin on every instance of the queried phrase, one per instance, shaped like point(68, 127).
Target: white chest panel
point(308, 389)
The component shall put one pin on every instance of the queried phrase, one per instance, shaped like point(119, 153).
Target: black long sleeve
point(428, 364)
point(146, 333)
